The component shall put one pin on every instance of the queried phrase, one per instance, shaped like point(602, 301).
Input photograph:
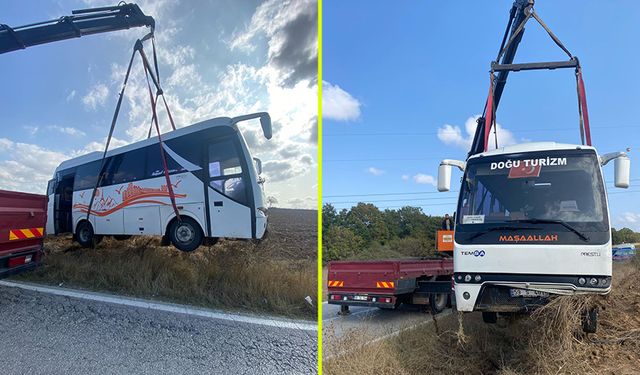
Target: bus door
point(60, 194)
point(229, 194)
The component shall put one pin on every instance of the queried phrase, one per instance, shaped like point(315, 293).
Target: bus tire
point(489, 317)
point(590, 320)
point(186, 235)
point(438, 302)
point(85, 235)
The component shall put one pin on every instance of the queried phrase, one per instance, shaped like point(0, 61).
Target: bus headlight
point(593, 281)
point(467, 278)
point(582, 281)
point(477, 278)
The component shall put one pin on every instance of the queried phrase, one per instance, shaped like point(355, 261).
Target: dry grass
point(273, 276)
point(548, 342)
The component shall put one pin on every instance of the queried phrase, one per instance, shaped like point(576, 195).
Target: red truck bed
point(22, 221)
point(381, 282)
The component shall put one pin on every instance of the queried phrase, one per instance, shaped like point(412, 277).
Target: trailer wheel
point(185, 234)
point(489, 317)
point(85, 235)
point(438, 302)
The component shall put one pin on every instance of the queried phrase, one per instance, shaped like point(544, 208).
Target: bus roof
point(531, 147)
point(97, 155)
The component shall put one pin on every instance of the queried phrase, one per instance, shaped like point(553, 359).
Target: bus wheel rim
point(84, 234)
point(185, 233)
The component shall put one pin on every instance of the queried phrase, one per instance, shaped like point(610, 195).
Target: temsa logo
point(529, 238)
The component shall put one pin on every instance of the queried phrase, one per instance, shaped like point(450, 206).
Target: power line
point(395, 200)
point(429, 192)
point(435, 133)
point(384, 194)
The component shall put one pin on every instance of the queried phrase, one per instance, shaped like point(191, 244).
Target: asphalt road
point(370, 323)
point(50, 334)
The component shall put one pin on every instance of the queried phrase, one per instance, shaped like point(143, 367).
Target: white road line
point(370, 309)
point(168, 307)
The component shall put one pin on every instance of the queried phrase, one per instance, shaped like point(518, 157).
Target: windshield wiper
point(493, 229)
point(554, 221)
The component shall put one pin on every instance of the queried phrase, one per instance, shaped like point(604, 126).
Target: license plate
point(360, 298)
point(527, 293)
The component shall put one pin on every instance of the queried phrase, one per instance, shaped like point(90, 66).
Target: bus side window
point(86, 176)
point(155, 167)
point(127, 167)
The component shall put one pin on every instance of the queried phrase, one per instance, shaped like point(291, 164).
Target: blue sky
point(217, 58)
point(397, 73)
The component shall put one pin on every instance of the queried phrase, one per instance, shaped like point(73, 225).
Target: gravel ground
point(47, 334)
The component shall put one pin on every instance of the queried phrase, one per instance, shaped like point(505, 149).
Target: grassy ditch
point(548, 342)
point(272, 277)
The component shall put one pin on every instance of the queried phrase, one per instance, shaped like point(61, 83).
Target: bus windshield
point(534, 187)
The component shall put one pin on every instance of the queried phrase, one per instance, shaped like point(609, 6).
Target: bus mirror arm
point(444, 173)
point(265, 122)
point(622, 167)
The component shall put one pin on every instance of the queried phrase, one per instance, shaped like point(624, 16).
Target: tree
point(367, 221)
point(271, 200)
point(340, 243)
point(329, 217)
point(624, 235)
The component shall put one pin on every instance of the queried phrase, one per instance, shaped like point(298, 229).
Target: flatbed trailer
point(388, 283)
point(22, 222)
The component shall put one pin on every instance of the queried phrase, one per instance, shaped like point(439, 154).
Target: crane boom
point(517, 14)
point(81, 22)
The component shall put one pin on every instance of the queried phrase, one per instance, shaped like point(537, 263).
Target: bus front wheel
point(185, 234)
point(85, 235)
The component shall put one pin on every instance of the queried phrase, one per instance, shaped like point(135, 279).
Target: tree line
point(366, 232)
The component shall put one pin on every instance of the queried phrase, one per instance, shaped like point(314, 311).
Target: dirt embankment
point(548, 342)
point(273, 276)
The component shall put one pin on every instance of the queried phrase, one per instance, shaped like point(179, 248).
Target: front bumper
point(492, 291)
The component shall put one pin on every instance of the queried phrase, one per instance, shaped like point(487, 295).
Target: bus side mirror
point(258, 165)
point(444, 173)
point(622, 168)
point(265, 121)
point(444, 177)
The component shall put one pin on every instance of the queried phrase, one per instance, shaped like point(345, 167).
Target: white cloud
point(97, 96)
point(28, 167)
point(405, 177)
point(630, 220)
point(425, 179)
point(71, 95)
point(375, 171)
point(338, 104)
point(67, 130)
point(32, 130)
point(452, 135)
point(284, 83)
point(305, 202)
